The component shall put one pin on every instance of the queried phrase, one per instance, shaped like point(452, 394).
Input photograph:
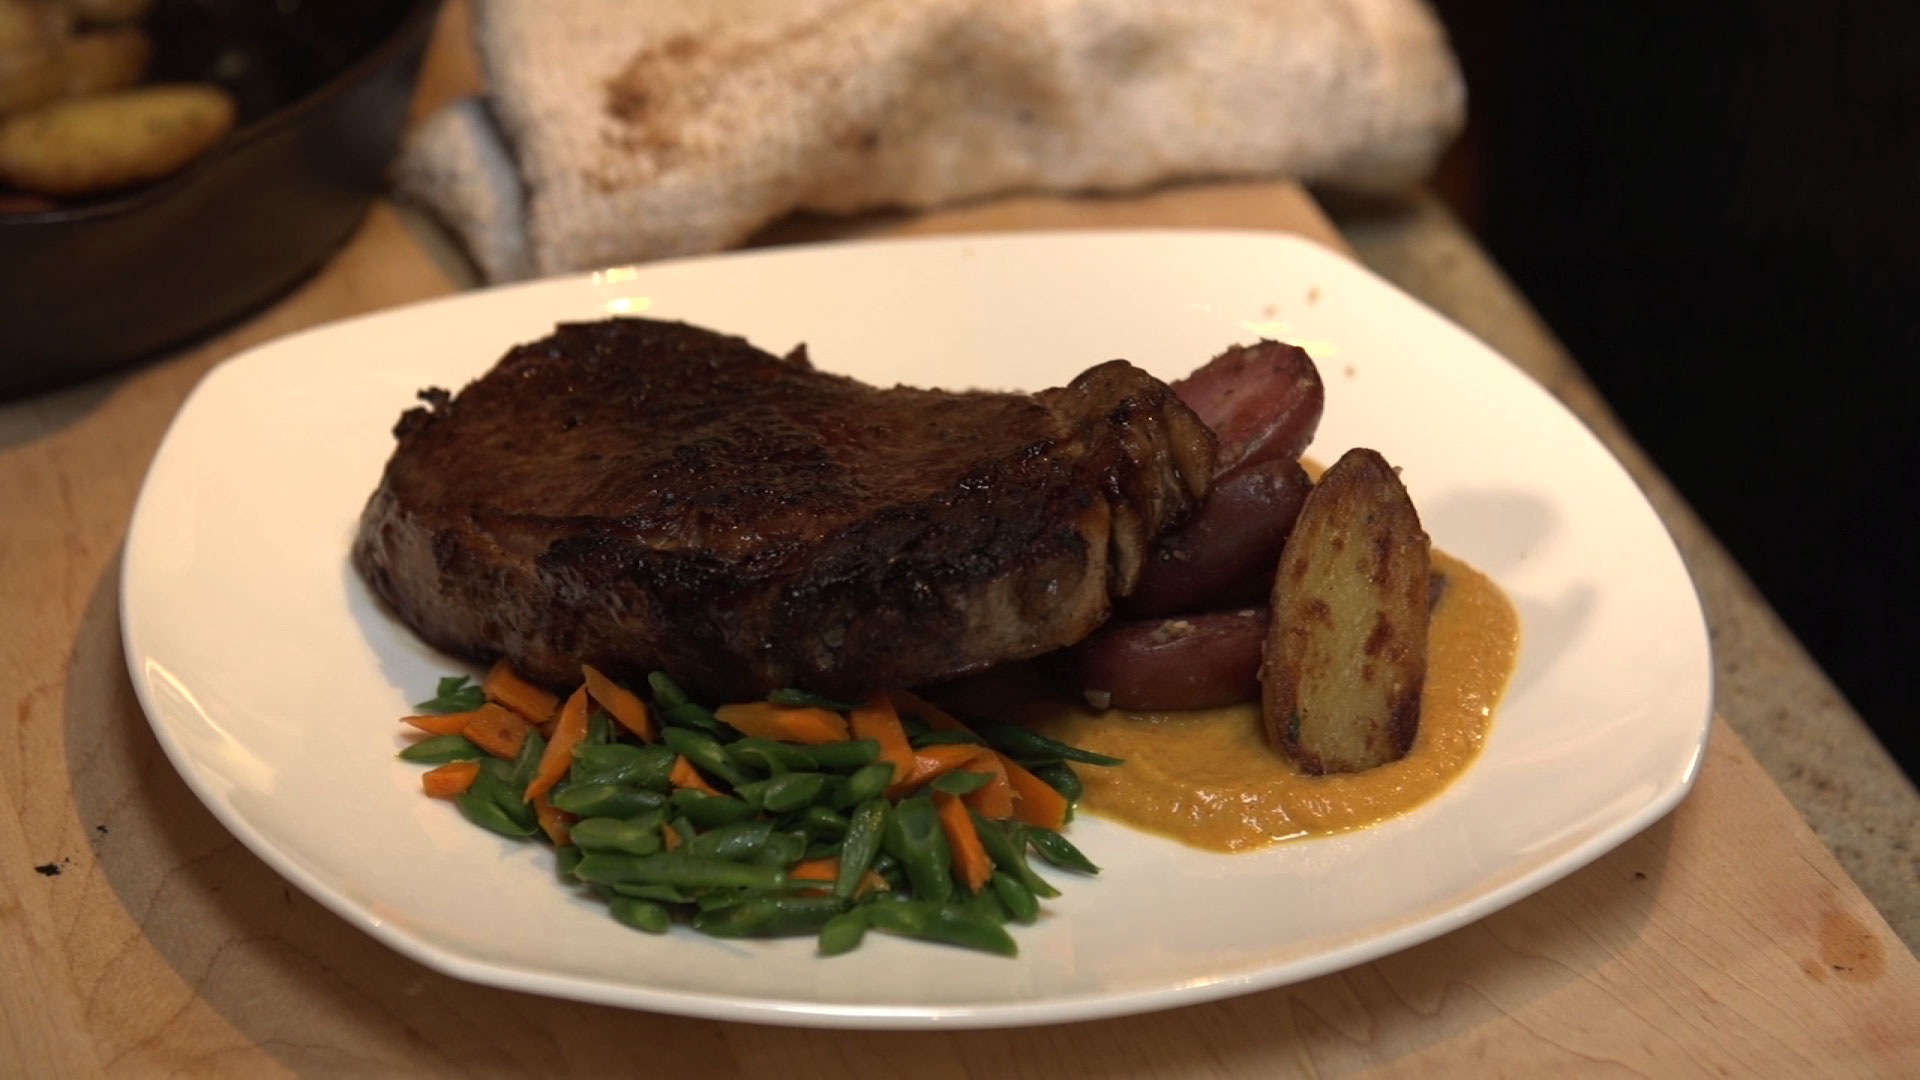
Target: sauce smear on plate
point(1207, 777)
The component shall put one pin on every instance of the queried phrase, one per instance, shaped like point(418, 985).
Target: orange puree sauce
point(1207, 778)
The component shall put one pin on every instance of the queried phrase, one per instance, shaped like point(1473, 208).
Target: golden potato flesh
point(1346, 653)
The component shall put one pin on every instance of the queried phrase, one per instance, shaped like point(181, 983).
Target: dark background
point(1715, 206)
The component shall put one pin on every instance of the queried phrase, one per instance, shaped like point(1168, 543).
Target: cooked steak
point(646, 495)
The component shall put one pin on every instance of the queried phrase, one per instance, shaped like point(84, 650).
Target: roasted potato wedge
point(1181, 662)
point(1262, 401)
point(31, 37)
point(90, 144)
point(1346, 651)
point(105, 60)
point(110, 11)
point(1235, 536)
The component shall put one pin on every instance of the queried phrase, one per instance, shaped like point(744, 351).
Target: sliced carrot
point(453, 778)
point(497, 729)
point(1034, 800)
point(788, 723)
point(935, 717)
point(971, 863)
point(568, 732)
point(669, 837)
point(931, 761)
point(504, 685)
point(554, 821)
point(621, 703)
point(994, 800)
point(685, 775)
point(878, 721)
point(826, 868)
point(450, 723)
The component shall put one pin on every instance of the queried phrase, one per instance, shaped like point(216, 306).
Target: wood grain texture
point(1723, 940)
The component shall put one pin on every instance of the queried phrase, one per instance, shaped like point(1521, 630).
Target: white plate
point(273, 679)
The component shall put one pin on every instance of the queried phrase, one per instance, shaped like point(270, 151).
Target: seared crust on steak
point(644, 495)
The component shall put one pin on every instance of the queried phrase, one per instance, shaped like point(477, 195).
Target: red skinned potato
point(1188, 662)
point(1346, 653)
point(1263, 402)
point(1235, 538)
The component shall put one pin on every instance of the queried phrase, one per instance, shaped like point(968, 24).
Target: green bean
point(737, 840)
point(706, 898)
point(863, 784)
point(440, 749)
point(949, 924)
point(843, 932)
point(986, 904)
point(601, 834)
point(1060, 776)
point(865, 830)
point(795, 696)
point(960, 781)
point(1009, 853)
point(823, 824)
point(767, 756)
point(1059, 850)
point(665, 894)
point(945, 738)
point(889, 870)
point(602, 799)
point(600, 730)
point(705, 752)
point(565, 858)
point(690, 717)
point(1019, 741)
point(791, 791)
point(914, 726)
point(526, 763)
point(666, 692)
point(456, 693)
point(1019, 900)
point(640, 914)
point(623, 763)
point(494, 784)
point(487, 814)
point(707, 811)
point(676, 868)
point(844, 756)
point(914, 836)
point(782, 850)
point(770, 916)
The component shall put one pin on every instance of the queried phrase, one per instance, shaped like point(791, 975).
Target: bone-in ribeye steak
point(644, 495)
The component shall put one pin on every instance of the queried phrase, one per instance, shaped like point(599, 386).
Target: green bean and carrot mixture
point(797, 815)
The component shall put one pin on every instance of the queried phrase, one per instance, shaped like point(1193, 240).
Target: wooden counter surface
point(137, 936)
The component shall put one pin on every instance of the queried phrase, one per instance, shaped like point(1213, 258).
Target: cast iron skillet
point(322, 87)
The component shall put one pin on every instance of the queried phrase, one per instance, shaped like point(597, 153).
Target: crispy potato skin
point(106, 141)
point(1346, 651)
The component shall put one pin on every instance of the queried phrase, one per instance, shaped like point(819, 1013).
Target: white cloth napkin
point(614, 131)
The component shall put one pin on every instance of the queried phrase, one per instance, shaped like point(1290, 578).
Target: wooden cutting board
point(138, 936)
